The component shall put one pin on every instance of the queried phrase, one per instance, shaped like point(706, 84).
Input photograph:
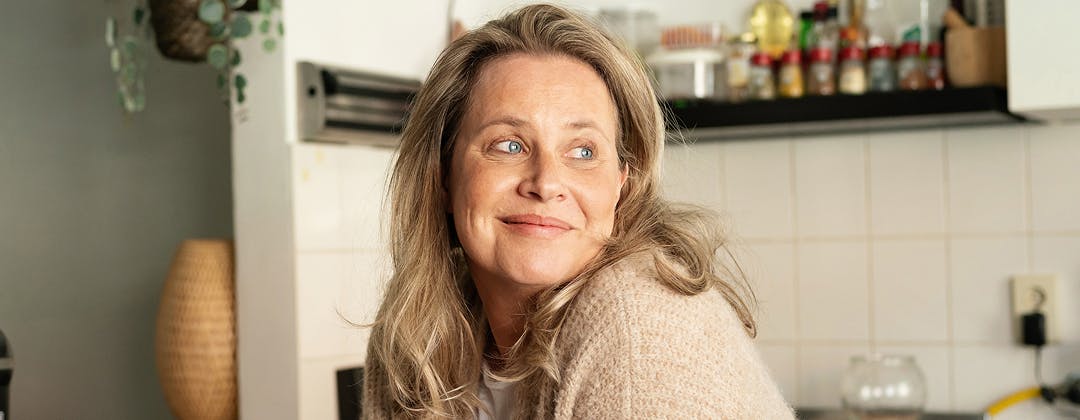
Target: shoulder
point(631, 292)
point(630, 343)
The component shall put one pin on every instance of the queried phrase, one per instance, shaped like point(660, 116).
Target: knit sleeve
point(375, 401)
point(651, 353)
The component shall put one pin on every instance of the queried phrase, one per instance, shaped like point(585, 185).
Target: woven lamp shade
point(196, 337)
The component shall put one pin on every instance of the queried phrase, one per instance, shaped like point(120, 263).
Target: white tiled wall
point(341, 262)
point(900, 242)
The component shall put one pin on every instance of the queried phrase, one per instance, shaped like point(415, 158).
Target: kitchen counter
point(838, 414)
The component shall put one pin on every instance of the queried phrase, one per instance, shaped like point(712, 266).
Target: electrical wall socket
point(1025, 299)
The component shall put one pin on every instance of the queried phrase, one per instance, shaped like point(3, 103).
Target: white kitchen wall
point(900, 242)
point(308, 246)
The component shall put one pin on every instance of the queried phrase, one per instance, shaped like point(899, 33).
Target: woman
point(537, 271)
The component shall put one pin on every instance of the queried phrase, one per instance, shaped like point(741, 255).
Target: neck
point(504, 308)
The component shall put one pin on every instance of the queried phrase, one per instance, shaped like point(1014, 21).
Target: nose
point(543, 180)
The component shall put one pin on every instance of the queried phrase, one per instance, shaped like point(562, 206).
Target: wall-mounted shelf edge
point(816, 115)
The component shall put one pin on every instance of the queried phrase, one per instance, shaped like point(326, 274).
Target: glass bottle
point(910, 72)
point(790, 83)
point(935, 67)
point(773, 24)
point(883, 386)
point(820, 78)
point(854, 34)
point(806, 30)
point(880, 29)
point(880, 70)
point(762, 83)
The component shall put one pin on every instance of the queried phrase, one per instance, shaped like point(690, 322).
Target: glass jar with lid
point(852, 79)
point(883, 386)
point(762, 83)
point(880, 69)
point(935, 67)
point(820, 77)
point(790, 81)
point(909, 67)
point(740, 50)
point(690, 62)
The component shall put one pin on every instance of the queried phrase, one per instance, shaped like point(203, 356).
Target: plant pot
point(178, 31)
point(195, 343)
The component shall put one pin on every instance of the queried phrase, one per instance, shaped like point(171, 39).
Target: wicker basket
point(178, 31)
point(196, 338)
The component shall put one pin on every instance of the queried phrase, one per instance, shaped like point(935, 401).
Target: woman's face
point(534, 177)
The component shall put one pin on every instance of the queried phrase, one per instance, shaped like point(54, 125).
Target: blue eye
point(582, 152)
point(509, 146)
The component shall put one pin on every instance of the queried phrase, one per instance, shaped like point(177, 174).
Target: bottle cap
point(792, 57)
point(910, 48)
point(934, 49)
point(851, 53)
point(761, 59)
point(820, 55)
point(881, 51)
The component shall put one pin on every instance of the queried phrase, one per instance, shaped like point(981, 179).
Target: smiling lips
point(536, 225)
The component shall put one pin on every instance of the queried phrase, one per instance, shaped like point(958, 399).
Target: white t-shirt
point(498, 397)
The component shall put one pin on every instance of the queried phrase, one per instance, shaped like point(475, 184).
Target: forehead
point(535, 84)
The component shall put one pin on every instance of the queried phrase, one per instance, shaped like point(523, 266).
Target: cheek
point(599, 201)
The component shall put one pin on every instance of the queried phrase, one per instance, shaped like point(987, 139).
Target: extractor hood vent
point(349, 106)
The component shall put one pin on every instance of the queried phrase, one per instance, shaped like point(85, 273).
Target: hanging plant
point(127, 57)
point(203, 31)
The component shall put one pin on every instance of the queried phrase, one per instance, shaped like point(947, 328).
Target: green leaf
point(221, 80)
point(237, 3)
point(269, 45)
point(240, 97)
point(264, 26)
point(236, 58)
point(140, 13)
point(265, 7)
point(130, 46)
point(241, 27)
point(281, 29)
point(240, 81)
point(217, 56)
point(211, 11)
point(110, 32)
point(219, 31)
point(114, 59)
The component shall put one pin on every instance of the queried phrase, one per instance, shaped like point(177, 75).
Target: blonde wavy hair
point(429, 335)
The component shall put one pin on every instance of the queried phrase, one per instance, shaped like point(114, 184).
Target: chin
point(540, 270)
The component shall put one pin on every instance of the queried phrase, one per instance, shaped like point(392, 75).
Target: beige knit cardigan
point(632, 348)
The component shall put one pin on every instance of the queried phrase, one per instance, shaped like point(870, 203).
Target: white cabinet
point(1044, 58)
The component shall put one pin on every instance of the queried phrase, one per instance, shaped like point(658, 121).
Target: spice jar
point(909, 67)
point(935, 67)
point(791, 79)
point(762, 85)
point(820, 79)
point(852, 71)
point(738, 67)
point(880, 69)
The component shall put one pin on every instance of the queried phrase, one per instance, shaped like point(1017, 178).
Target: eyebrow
point(518, 122)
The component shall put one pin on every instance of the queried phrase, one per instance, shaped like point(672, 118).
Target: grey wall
point(92, 206)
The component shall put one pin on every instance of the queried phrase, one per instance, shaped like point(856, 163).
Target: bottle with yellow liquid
point(773, 24)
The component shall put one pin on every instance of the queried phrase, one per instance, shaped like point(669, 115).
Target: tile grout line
point(950, 309)
point(796, 277)
point(1029, 207)
point(870, 317)
point(913, 236)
